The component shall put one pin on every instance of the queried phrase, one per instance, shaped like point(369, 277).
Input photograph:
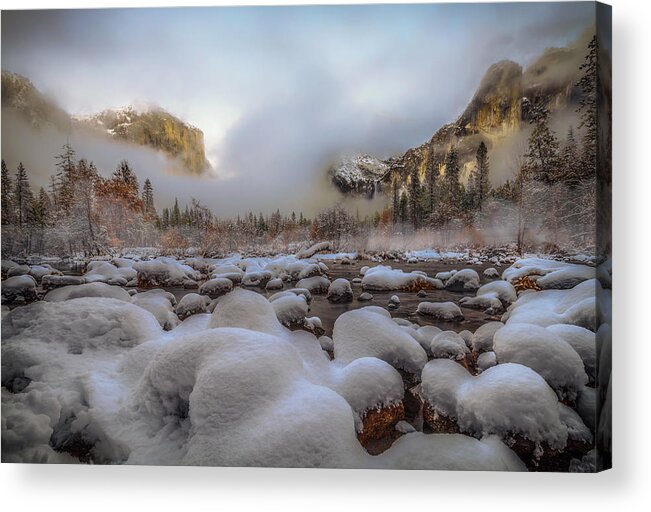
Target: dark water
point(409, 301)
point(329, 312)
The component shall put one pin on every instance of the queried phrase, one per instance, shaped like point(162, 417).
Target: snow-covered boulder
point(365, 297)
point(314, 249)
point(492, 273)
point(256, 278)
point(424, 335)
point(18, 287)
point(544, 352)
point(505, 400)
point(445, 275)
point(383, 278)
point(466, 280)
point(191, 304)
point(291, 309)
point(482, 339)
point(18, 270)
point(316, 284)
point(52, 281)
point(340, 291)
point(446, 311)
point(448, 345)
point(216, 287)
point(326, 343)
point(583, 342)
point(370, 332)
point(486, 360)
point(97, 289)
point(38, 272)
point(549, 274)
point(158, 303)
point(164, 272)
point(493, 297)
point(105, 272)
point(576, 306)
point(274, 284)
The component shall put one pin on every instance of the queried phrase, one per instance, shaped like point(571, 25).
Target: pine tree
point(23, 198)
point(175, 216)
point(452, 187)
point(124, 174)
point(542, 158)
point(41, 207)
point(432, 179)
point(480, 184)
point(414, 199)
point(571, 168)
point(588, 107)
point(7, 200)
point(165, 222)
point(148, 199)
point(65, 178)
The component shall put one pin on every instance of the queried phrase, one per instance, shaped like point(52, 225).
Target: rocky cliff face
point(153, 127)
point(359, 174)
point(499, 108)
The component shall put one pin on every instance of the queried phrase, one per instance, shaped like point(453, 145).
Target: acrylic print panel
point(348, 237)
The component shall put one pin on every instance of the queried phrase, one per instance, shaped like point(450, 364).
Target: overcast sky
point(282, 89)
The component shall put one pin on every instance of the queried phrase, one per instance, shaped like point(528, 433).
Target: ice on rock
point(340, 291)
point(482, 339)
point(105, 272)
point(582, 341)
point(22, 286)
point(160, 304)
point(191, 304)
point(291, 309)
point(446, 311)
point(486, 360)
point(316, 284)
point(544, 352)
point(97, 289)
point(383, 278)
point(463, 281)
point(549, 274)
point(216, 287)
point(164, 272)
point(448, 345)
point(575, 306)
point(366, 332)
point(492, 297)
point(505, 400)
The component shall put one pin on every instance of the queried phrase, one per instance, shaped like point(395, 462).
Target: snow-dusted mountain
point(149, 126)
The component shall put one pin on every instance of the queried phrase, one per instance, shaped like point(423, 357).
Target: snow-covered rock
point(105, 272)
point(316, 284)
point(482, 339)
point(582, 341)
point(164, 272)
point(544, 352)
point(446, 311)
point(448, 345)
point(216, 287)
point(370, 332)
point(492, 273)
point(96, 289)
point(340, 291)
point(18, 287)
point(505, 400)
point(549, 274)
point(465, 280)
point(291, 309)
point(492, 297)
point(364, 297)
point(51, 281)
point(274, 284)
point(191, 304)
point(383, 278)
point(159, 303)
point(486, 360)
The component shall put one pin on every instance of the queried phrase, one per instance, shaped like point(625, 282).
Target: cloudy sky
point(279, 90)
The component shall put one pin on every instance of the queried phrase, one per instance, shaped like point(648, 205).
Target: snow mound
point(191, 304)
point(160, 304)
point(105, 272)
point(164, 272)
point(544, 352)
point(446, 311)
point(583, 341)
point(340, 291)
point(23, 287)
point(383, 278)
point(549, 274)
point(291, 309)
point(216, 287)
point(504, 400)
point(486, 360)
point(366, 332)
point(482, 339)
point(97, 289)
point(448, 345)
point(316, 284)
point(247, 310)
point(463, 281)
point(492, 297)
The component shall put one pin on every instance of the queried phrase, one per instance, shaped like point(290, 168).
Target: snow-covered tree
point(7, 193)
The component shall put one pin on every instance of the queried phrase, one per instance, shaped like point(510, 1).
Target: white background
point(628, 486)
